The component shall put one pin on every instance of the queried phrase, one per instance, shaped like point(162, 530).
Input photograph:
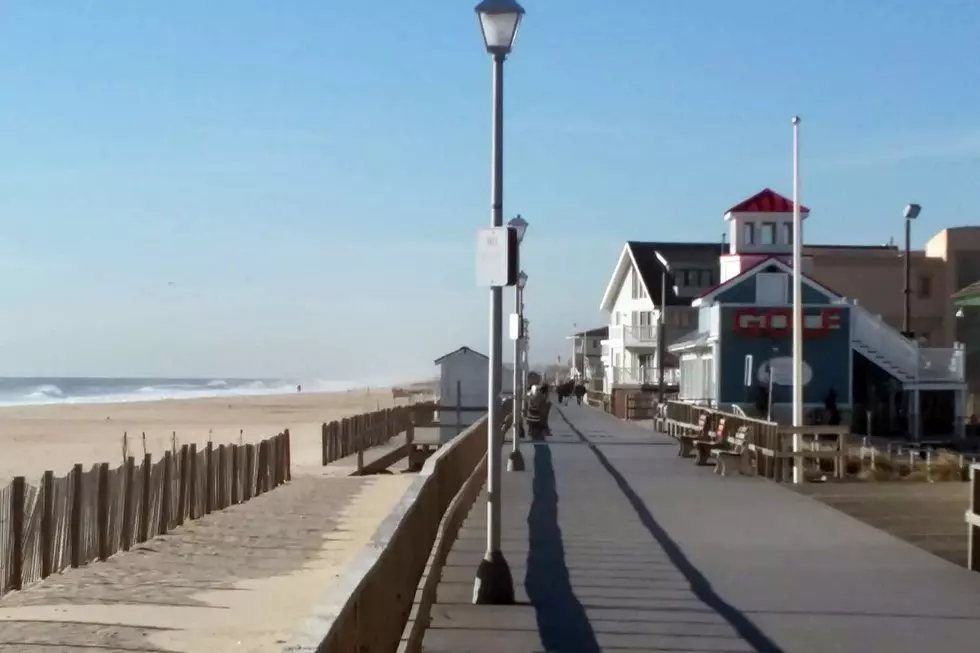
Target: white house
point(464, 382)
point(631, 353)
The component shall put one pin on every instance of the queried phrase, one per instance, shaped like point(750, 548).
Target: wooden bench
point(704, 444)
point(690, 433)
point(732, 450)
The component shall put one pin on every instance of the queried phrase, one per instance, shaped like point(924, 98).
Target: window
point(748, 233)
point(596, 343)
point(768, 233)
point(788, 233)
point(925, 286)
point(771, 288)
point(616, 318)
point(706, 278)
point(680, 318)
point(636, 285)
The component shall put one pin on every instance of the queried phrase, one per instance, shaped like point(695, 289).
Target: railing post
point(973, 540)
point(18, 493)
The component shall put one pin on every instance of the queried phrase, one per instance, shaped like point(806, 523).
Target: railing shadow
point(699, 585)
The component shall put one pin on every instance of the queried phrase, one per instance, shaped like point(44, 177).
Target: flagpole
point(797, 308)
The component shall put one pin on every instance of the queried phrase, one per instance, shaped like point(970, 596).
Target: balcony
point(635, 337)
point(644, 376)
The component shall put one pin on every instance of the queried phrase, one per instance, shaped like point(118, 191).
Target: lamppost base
point(515, 461)
point(494, 584)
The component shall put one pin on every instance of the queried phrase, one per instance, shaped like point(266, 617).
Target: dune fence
point(70, 521)
point(351, 435)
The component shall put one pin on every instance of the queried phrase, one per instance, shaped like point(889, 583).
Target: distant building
point(586, 360)
point(754, 265)
point(464, 382)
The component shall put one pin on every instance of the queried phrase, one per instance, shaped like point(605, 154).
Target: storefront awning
point(969, 296)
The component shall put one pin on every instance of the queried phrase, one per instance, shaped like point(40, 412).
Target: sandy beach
point(241, 579)
point(38, 438)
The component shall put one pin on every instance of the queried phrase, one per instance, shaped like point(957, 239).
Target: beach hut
point(463, 383)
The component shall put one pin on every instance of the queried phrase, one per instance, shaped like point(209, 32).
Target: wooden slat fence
point(89, 515)
point(350, 435)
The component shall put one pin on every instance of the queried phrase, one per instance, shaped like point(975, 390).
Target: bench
point(732, 450)
point(703, 445)
point(690, 433)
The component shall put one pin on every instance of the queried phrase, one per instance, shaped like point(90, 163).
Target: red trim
point(766, 201)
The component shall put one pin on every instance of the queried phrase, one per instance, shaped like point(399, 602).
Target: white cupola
point(758, 228)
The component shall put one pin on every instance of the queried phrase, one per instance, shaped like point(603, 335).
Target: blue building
point(742, 347)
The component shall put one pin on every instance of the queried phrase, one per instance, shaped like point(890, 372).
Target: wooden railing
point(640, 406)
point(770, 443)
point(973, 520)
point(373, 601)
point(352, 435)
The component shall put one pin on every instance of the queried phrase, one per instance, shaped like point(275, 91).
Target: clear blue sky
point(309, 175)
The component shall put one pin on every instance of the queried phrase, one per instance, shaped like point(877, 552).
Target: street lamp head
point(519, 225)
point(796, 120)
point(499, 20)
point(912, 211)
point(522, 280)
point(663, 261)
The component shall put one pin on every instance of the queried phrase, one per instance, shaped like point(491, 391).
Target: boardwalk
point(633, 549)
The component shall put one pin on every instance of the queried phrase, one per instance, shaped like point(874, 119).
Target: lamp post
point(662, 327)
point(515, 461)
point(499, 20)
point(797, 308)
point(911, 213)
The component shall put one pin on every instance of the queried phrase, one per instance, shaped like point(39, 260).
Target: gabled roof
point(764, 264)
point(766, 201)
point(643, 257)
point(599, 332)
point(461, 350)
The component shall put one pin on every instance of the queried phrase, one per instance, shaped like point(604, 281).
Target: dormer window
point(748, 233)
point(768, 233)
point(788, 232)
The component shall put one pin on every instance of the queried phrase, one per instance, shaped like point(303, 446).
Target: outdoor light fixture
point(499, 20)
point(519, 225)
point(494, 584)
point(522, 280)
point(960, 313)
point(911, 213)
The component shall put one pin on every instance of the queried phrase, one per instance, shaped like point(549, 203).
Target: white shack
point(464, 383)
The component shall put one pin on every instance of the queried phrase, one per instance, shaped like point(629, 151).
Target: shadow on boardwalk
point(549, 617)
point(625, 547)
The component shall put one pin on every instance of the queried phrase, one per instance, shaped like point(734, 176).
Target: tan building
point(875, 276)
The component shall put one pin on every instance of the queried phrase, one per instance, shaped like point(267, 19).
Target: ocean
point(29, 391)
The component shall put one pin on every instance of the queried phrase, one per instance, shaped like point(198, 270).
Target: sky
point(293, 189)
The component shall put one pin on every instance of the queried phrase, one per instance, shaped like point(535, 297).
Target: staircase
point(902, 358)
